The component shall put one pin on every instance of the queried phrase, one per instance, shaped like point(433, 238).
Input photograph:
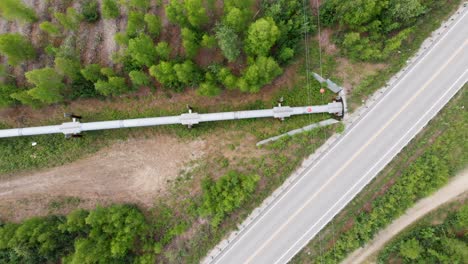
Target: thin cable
point(307, 52)
point(319, 37)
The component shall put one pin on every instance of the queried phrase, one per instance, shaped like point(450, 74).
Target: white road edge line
point(377, 163)
point(271, 206)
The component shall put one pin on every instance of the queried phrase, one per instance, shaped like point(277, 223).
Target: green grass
point(447, 130)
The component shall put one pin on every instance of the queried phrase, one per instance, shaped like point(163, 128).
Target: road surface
point(456, 187)
point(330, 183)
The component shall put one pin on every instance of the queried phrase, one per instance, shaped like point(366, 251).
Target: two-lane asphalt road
point(330, 183)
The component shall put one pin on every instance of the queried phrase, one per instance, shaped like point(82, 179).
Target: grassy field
point(441, 137)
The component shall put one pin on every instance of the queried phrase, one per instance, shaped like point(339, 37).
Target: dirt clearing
point(132, 171)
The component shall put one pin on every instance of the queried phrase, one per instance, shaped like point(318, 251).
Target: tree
point(48, 85)
point(92, 72)
point(228, 42)
point(153, 24)
point(5, 91)
point(226, 194)
point(237, 18)
point(196, 13)
point(70, 20)
point(142, 50)
point(90, 11)
point(175, 12)
point(16, 47)
point(114, 86)
point(136, 23)
point(113, 233)
point(68, 67)
point(258, 74)
point(139, 78)
point(110, 9)
point(15, 9)
point(262, 35)
point(165, 74)
point(141, 5)
point(190, 42)
point(208, 88)
point(187, 72)
point(50, 28)
point(411, 249)
point(163, 50)
point(208, 41)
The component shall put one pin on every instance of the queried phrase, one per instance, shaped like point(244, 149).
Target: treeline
point(254, 46)
point(119, 233)
point(441, 243)
point(373, 30)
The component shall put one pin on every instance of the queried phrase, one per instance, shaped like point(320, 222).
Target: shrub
point(228, 42)
point(5, 91)
point(190, 42)
point(16, 47)
point(142, 50)
point(92, 72)
point(90, 11)
point(70, 20)
point(208, 41)
point(228, 193)
point(48, 85)
point(165, 74)
point(110, 9)
point(141, 5)
point(136, 23)
point(187, 72)
point(50, 28)
point(15, 9)
point(115, 86)
point(153, 24)
point(163, 50)
point(261, 36)
point(258, 74)
point(139, 78)
point(68, 67)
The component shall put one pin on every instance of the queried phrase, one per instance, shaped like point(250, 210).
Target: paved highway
point(331, 182)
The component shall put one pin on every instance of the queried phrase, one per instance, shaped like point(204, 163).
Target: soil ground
point(455, 189)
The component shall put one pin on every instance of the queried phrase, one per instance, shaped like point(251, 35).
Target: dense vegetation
point(254, 47)
point(440, 243)
point(115, 234)
point(372, 30)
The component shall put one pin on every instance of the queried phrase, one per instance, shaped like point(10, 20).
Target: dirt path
point(133, 171)
point(456, 187)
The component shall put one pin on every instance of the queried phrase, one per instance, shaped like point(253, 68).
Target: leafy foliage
point(15, 9)
point(16, 47)
point(187, 13)
point(48, 85)
point(70, 20)
point(110, 9)
point(153, 24)
point(228, 42)
point(262, 35)
point(139, 78)
point(228, 193)
point(50, 28)
point(428, 243)
point(136, 23)
point(90, 11)
point(190, 42)
point(92, 72)
point(366, 25)
point(262, 71)
point(69, 67)
point(142, 50)
point(114, 86)
point(5, 91)
point(163, 50)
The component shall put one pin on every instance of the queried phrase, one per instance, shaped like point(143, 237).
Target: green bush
point(110, 9)
point(70, 20)
point(228, 193)
point(228, 42)
point(16, 47)
point(153, 24)
point(50, 28)
point(114, 86)
point(48, 85)
point(261, 37)
point(261, 72)
point(68, 67)
point(142, 50)
point(90, 10)
point(15, 9)
point(190, 42)
point(139, 78)
point(163, 50)
point(136, 23)
point(6, 90)
point(92, 72)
